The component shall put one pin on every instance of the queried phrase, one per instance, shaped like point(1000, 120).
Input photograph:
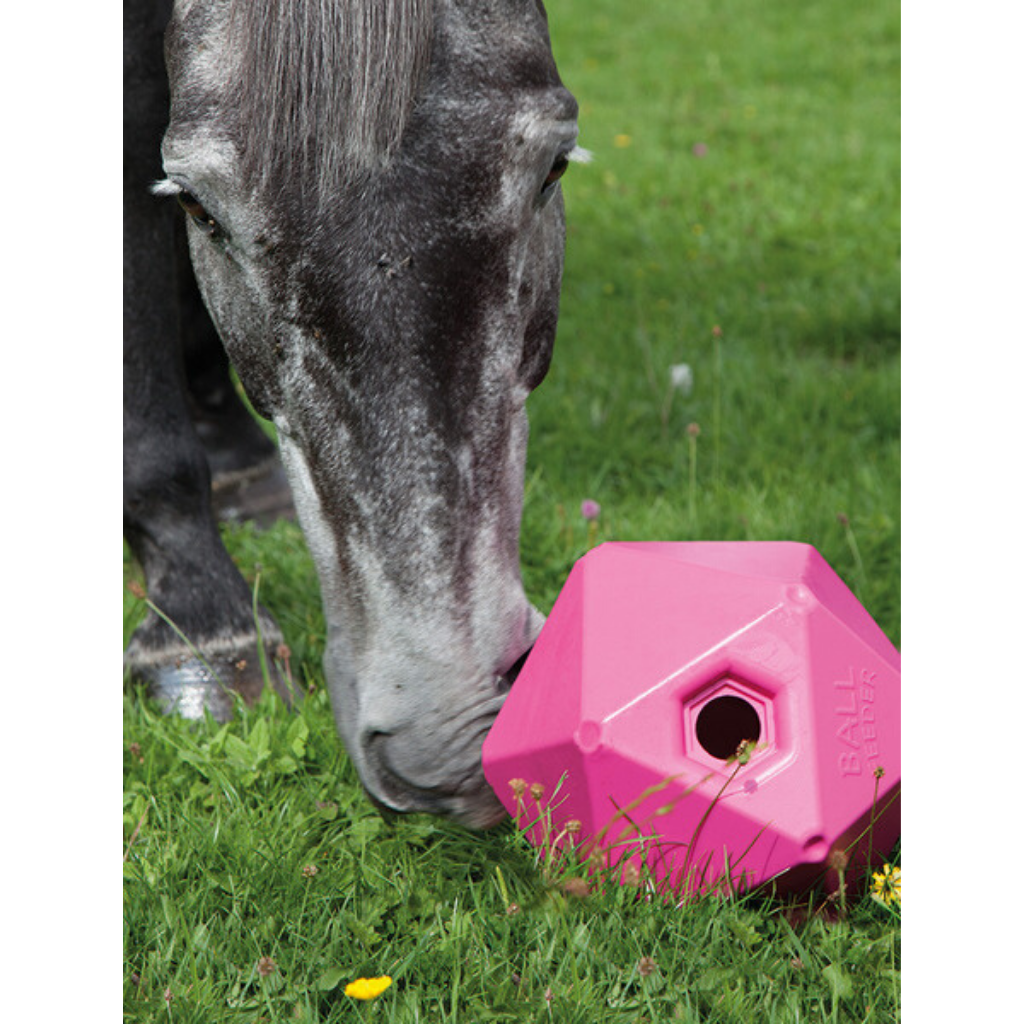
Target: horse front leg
point(203, 639)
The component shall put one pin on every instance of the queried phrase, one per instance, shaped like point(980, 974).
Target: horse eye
point(558, 168)
point(197, 212)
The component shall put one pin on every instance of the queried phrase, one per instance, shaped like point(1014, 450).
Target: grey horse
point(372, 203)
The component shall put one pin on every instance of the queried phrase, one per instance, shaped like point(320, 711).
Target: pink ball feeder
point(659, 662)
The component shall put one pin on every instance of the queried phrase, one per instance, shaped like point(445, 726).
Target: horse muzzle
point(434, 767)
point(466, 798)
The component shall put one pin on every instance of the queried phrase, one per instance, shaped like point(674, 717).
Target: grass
point(746, 179)
point(259, 881)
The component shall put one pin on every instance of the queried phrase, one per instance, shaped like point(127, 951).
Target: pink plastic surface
point(657, 660)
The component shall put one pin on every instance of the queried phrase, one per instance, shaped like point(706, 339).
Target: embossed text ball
point(659, 664)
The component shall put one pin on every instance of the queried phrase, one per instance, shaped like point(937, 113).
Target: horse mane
point(325, 87)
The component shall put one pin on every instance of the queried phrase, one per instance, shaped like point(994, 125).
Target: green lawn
point(741, 216)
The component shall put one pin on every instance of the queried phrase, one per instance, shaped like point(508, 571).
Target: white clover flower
point(681, 376)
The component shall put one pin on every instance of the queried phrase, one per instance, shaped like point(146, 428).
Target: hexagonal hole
point(724, 723)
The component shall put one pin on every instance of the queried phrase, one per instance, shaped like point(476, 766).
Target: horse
point(375, 229)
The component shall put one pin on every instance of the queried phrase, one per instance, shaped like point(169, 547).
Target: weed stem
point(851, 543)
point(135, 834)
point(692, 433)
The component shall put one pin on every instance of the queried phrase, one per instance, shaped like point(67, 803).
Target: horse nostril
point(506, 680)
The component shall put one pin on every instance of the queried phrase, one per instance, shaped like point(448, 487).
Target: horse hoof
point(259, 493)
point(190, 686)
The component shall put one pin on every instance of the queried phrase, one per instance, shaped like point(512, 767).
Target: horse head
point(376, 223)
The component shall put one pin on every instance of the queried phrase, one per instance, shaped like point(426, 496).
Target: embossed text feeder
point(658, 663)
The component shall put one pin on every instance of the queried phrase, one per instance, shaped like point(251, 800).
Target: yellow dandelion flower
point(367, 988)
point(622, 141)
point(885, 885)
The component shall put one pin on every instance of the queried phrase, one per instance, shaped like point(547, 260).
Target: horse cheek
point(238, 310)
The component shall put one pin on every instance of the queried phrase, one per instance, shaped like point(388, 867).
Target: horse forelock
point(325, 88)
